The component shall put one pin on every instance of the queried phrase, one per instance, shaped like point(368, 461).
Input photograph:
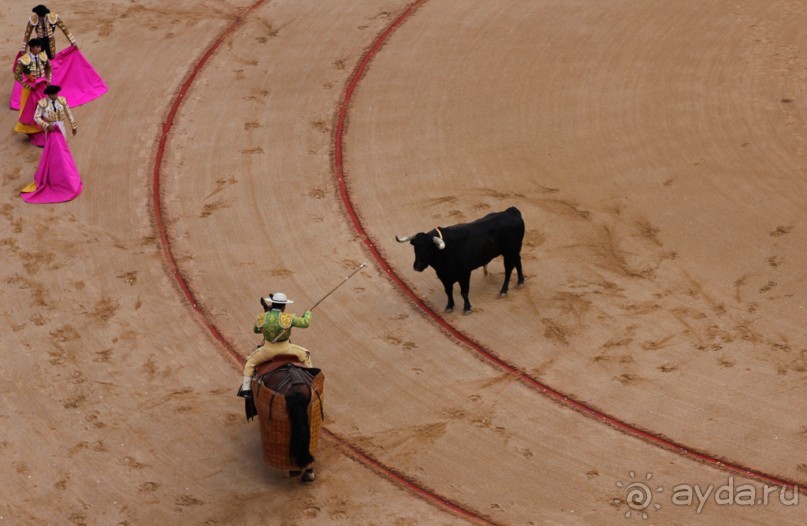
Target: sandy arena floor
point(656, 150)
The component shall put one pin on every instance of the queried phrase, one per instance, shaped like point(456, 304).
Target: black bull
point(457, 250)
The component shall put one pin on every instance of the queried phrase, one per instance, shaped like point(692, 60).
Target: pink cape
point(57, 178)
point(79, 81)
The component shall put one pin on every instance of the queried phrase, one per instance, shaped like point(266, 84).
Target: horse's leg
point(300, 440)
point(294, 473)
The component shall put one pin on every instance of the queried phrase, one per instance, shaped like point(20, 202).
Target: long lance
point(340, 284)
point(322, 299)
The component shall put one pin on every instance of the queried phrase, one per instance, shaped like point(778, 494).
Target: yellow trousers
point(267, 351)
point(20, 127)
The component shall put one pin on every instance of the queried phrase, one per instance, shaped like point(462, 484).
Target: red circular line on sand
point(158, 160)
point(408, 483)
point(489, 356)
point(357, 454)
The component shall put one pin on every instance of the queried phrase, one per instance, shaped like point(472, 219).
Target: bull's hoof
point(309, 476)
point(467, 312)
point(502, 294)
point(449, 309)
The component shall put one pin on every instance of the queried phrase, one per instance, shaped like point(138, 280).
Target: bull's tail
point(300, 440)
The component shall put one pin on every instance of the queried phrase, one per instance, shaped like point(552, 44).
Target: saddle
point(296, 374)
point(276, 363)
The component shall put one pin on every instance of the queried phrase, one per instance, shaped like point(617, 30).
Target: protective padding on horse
point(276, 432)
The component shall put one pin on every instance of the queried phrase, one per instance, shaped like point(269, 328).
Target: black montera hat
point(41, 10)
point(35, 42)
point(53, 88)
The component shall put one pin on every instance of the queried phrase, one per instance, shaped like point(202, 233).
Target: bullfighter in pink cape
point(79, 81)
point(33, 70)
point(57, 178)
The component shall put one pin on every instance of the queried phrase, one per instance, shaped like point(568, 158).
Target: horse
point(290, 423)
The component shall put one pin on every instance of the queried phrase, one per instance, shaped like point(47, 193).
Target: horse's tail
point(297, 407)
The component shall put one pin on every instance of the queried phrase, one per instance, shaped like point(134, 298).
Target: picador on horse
point(291, 422)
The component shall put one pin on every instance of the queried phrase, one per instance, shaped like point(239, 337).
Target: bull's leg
point(518, 270)
point(508, 271)
point(510, 263)
point(449, 288)
point(465, 285)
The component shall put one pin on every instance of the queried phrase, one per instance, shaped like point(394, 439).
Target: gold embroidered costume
point(45, 27)
point(30, 67)
point(49, 112)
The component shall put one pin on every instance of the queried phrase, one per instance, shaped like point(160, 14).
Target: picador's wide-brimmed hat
point(53, 88)
point(277, 297)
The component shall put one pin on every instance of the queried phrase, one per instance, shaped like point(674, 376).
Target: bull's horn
point(403, 239)
point(439, 242)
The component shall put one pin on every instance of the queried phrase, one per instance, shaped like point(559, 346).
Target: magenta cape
point(57, 178)
point(79, 81)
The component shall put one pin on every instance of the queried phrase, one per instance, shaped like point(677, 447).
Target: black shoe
point(309, 476)
point(244, 393)
point(293, 474)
